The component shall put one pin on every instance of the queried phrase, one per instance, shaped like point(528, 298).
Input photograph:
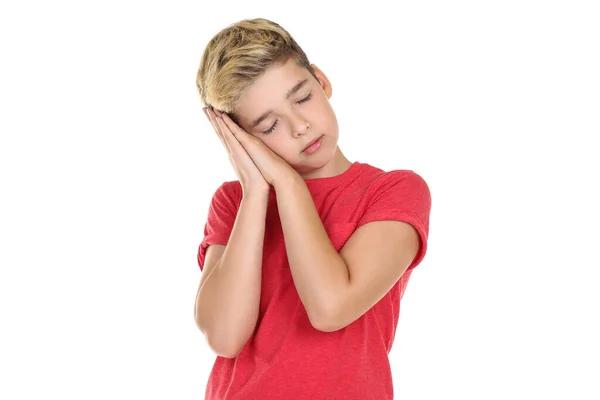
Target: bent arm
point(227, 303)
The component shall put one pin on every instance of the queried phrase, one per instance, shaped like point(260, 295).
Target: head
point(257, 73)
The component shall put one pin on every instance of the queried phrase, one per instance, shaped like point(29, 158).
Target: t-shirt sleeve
point(222, 213)
point(401, 195)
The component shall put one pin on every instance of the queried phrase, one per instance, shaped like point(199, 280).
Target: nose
point(300, 125)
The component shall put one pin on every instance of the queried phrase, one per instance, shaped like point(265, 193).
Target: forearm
point(228, 302)
point(319, 272)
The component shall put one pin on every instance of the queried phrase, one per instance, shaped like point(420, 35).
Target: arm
point(319, 273)
point(227, 303)
point(336, 289)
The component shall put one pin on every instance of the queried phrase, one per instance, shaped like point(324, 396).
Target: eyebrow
point(293, 90)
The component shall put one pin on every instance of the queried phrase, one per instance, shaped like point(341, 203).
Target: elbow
point(219, 347)
point(225, 340)
point(222, 349)
point(325, 322)
point(326, 325)
point(226, 354)
point(325, 328)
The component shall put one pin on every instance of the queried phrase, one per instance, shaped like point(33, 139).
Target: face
point(287, 108)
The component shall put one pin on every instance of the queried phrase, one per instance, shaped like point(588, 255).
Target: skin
point(298, 123)
point(336, 288)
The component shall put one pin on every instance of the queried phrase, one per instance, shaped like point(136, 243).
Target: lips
point(312, 142)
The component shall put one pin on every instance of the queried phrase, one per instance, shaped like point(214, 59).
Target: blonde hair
point(240, 53)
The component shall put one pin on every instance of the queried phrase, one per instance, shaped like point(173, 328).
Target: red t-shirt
point(286, 358)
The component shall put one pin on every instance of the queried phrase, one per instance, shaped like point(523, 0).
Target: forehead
point(270, 89)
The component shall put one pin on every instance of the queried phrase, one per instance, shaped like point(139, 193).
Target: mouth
point(312, 142)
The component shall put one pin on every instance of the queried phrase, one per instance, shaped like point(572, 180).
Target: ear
point(325, 84)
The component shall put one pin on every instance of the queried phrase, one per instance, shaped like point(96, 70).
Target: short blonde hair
point(236, 56)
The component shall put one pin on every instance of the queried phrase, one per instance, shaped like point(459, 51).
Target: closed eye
point(304, 100)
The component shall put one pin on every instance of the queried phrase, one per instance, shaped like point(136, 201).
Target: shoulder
point(378, 176)
point(231, 190)
point(398, 181)
point(406, 176)
point(406, 180)
point(227, 196)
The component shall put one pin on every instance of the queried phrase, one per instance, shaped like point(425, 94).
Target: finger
point(235, 129)
point(233, 141)
point(245, 139)
point(225, 132)
point(234, 144)
point(219, 130)
point(212, 118)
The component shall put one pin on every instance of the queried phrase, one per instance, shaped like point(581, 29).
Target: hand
point(272, 167)
point(248, 174)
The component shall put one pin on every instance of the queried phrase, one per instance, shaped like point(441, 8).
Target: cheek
point(322, 110)
point(283, 148)
point(273, 145)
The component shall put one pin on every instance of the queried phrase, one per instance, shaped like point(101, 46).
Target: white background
point(107, 167)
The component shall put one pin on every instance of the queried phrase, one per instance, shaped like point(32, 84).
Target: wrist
point(256, 195)
point(287, 179)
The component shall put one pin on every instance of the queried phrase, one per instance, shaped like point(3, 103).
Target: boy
point(306, 257)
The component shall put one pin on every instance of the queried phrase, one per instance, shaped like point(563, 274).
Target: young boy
point(306, 257)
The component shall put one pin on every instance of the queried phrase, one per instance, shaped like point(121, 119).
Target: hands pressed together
point(255, 164)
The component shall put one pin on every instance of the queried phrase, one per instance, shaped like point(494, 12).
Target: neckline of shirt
point(316, 184)
point(332, 181)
